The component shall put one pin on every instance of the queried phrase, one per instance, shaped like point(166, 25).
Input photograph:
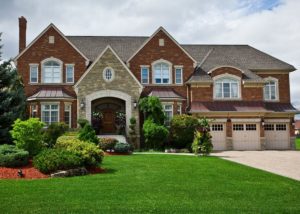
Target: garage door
point(218, 133)
point(277, 136)
point(246, 136)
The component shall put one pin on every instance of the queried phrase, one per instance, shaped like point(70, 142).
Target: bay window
point(168, 109)
point(50, 113)
point(226, 88)
point(67, 114)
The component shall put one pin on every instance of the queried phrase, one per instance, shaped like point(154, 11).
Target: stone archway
point(110, 93)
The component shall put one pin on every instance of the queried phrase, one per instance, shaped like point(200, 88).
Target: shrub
point(27, 135)
point(132, 131)
point(51, 160)
point(11, 156)
point(122, 147)
point(155, 135)
point(152, 109)
point(202, 139)
point(54, 131)
point(107, 143)
point(89, 153)
point(87, 133)
point(82, 122)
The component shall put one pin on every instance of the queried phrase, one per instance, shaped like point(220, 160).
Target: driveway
point(285, 163)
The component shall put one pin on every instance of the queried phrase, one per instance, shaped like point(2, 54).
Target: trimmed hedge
point(90, 154)
point(51, 160)
point(11, 156)
point(122, 147)
point(54, 131)
point(107, 143)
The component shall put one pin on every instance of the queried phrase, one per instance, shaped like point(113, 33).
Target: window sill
point(165, 84)
point(271, 101)
point(50, 83)
point(227, 99)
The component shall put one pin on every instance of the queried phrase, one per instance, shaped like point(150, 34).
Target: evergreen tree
point(12, 98)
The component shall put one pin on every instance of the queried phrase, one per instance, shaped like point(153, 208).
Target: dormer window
point(162, 72)
point(52, 71)
point(227, 87)
point(271, 89)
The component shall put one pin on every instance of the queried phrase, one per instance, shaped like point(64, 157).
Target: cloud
point(269, 25)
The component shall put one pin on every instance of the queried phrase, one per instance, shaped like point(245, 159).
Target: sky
point(271, 26)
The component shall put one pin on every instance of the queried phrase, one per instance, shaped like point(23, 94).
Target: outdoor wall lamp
point(134, 103)
point(82, 104)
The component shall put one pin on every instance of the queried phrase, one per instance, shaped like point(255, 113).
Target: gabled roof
point(108, 47)
point(50, 94)
point(42, 33)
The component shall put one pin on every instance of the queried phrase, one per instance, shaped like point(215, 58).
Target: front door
point(108, 121)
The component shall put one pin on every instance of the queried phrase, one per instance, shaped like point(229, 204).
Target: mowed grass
point(156, 184)
point(297, 143)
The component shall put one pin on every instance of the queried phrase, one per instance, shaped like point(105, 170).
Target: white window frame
point(58, 112)
point(179, 108)
point(225, 76)
point(153, 71)
point(112, 74)
point(148, 70)
point(179, 67)
point(167, 122)
point(33, 110)
point(70, 113)
point(43, 70)
point(37, 72)
point(267, 80)
point(73, 71)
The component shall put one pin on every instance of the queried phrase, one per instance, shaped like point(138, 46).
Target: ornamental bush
point(11, 156)
point(51, 160)
point(202, 139)
point(54, 131)
point(90, 154)
point(87, 133)
point(122, 147)
point(182, 131)
point(82, 122)
point(155, 135)
point(27, 135)
point(107, 143)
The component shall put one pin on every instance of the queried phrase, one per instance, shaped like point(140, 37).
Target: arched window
point(271, 89)
point(227, 87)
point(162, 72)
point(52, 71)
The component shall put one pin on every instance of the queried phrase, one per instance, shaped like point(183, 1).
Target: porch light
point(82, 104)
point(134, 103)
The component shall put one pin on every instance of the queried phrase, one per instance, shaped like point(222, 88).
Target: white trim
point(34, 65)
point(181, 68)
point(61, 69)
point(58, 111)
point(150, 38)
point(246, 120)
point(109, 93)
point(277, 120)
point(226, 75)
point(70, 112)
point(224, 66)
point(98, 58)
point(153, 71)
point(268, 79)
point(112, 74)
point(42, 33)
point(218, 120)
point(148, 69)
point(66, 65)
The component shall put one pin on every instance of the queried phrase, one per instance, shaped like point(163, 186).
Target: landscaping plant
point(10, 156)
point(82, 122)
point(132, 131)
point(152, 109)
point(87, 133)
point(122, 147)
point(27, 135)
point(155, 135)
point(202, 139)
point(54, 131)
point(107, 143)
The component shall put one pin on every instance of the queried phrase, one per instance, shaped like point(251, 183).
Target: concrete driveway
point(285, 163)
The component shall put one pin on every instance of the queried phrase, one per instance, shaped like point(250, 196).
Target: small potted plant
point(120, 122)
point(96, 120)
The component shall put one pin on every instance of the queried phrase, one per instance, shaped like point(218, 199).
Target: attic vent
point(161, 42)
point(51, 39)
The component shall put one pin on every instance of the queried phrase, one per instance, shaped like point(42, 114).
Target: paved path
point(285, 163)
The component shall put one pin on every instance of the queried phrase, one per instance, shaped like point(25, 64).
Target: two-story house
point(244, 91)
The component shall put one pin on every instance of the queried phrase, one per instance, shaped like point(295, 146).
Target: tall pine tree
point(12, 98)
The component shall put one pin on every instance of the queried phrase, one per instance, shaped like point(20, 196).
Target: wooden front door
point(108, 121)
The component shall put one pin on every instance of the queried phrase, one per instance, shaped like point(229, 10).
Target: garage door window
point(251, 127)
point(217, 127)
point(280, 127)
point(238, 127)
point(269, 127)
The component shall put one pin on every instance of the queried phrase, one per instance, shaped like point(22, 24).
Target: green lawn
point(156, 184)
point(297, 143)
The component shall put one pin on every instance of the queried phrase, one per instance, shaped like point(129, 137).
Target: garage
point(218, 133)
point(246, 136)
point(277, 135)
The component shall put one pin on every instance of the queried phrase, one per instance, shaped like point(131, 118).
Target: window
point(52, 72)
point(50, 113)
point(162, 73)
point(269, 127)
point(280, 127)
point(34, 73)
point(217, 127)
point(161, 42)
point(251, 127)
point(51, 39)
point(33, 110)
point(108, 74)
point(145, 75)
point(69, 73)
point(270, 90)
point(67, 114)
point(226, 88)
point(168, 109)
point(238, 127)
point(179, 108)
point(178, 75)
